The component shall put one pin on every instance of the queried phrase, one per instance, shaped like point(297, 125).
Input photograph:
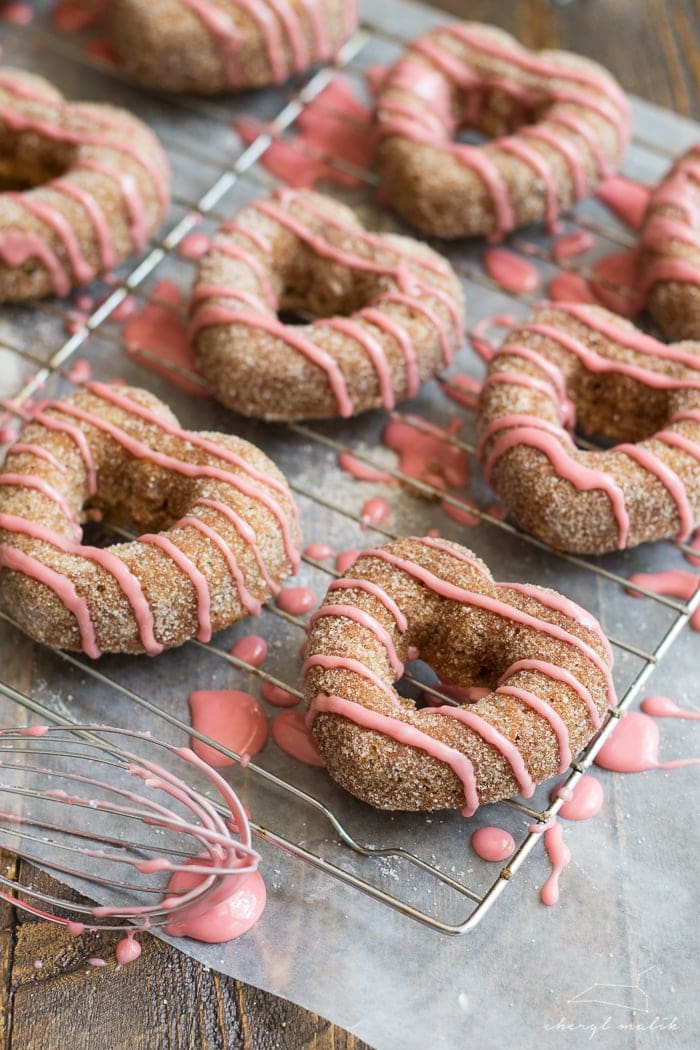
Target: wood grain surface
point(167, 999)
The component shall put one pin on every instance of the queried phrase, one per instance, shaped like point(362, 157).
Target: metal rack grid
point(212, 204)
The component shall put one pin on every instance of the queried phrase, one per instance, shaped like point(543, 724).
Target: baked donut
point(229, 530)
point(401, 307)
point(670, 250)
point(210, 46)
point(571, 363)
point(90, 184)
point(559, 124)
point(545, 662)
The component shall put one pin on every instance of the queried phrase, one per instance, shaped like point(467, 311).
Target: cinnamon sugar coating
point(670, 249)
point(219, 526)
point(93, 186)
point(211, 46)
point(569, 363)
point(544, 659)
point(558, 122)
point(398, 305)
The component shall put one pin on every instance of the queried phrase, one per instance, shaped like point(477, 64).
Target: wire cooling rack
point(214, 176)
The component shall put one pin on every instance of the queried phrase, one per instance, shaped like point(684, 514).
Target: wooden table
point(167, 999)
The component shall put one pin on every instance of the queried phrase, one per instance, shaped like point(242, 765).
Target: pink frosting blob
point(127, 950)
point(584, 801)
point(615, 283)
point(252, 649)
point(633, 747)
point(291, 733)
point(493, 844)
point(232, 718)
point(625, 198)
point(277, 696)
point(296, 600)
point(510, 271)
point(570, 288)
point(231, 916)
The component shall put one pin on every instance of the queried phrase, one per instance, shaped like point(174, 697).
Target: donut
point(543, 661)
point(89, 185)
point(220, 528)
point(388, 311)
point(558, 122)
point(670, 250)
point(570, 363)
point(210, 46)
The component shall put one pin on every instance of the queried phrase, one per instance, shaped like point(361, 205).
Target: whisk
point(159, 851)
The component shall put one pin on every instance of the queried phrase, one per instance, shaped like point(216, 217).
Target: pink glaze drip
point(627, 199)
point(348, 583)
point(570, 288)
point(566, 607)
point(374, 350)
point(249, 602)
point(510, 271)
point(291, 733)
point(615, 282)
point(400, 334)
point(346, 559)
point(17, 248)
point(247, 533)
point(404, 734)
point(225, 919)
point(319, 551)
point(583, 802)
point(156, 337)
point(362, 471)
point(252, 649)
point(60, 226)
point(127, 950)
point(674, 584)
point(671, 482)
point(492, 736)
point(581, 477)
point(80, 371)
point(634, 747)
point(547, 712)
point(277, 696)
point(193, 574)
point(558, 674)
point(662, 707)
point(129, 584)
point(227, 36)
point(98, 221)
point(76, 435)
point(560, 857)
point(464, 389)
point(476, 337)
point(131, 197)
point(32, 481)
point(296, 600)
point(364, 619)
point(519, 148)
point(572, 244)
point(231, 718)
point(345, 663)
point(493, 844)
point(426, 452)
point(17, 561)
point(194, 246)
point(374, 512)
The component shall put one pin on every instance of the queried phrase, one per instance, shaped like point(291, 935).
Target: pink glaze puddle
point(510, 272)
point(672, 584)
point(319, 551)
point(157, 336)
point(73, 16)
point(634, 747)
point(232, 718)
point(662, 707)
point(361, 471)
point(583, 802)
point(374, 512)
point(232, 913)
point(296, 600)
point(461, 514)
point(126, 309)
point(570, 288)
point(80, 371)
point(493, 844)
point(16, 14)
point(334, 125)
point(291, 733)
point(627, 199)
point(127, 950)
point(560, 857)
point(277, 696)
point(346, 559)
point(194, 246)
point(425, 451)
point(477, 337)
point(572, 245)
point(463, 389)
point(252, 649)
point(619, 269)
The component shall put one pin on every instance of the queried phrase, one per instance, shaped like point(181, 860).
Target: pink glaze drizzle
point(560, 857)
point(662, 707)
point(193, 574)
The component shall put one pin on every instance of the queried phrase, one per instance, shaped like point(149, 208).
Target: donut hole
point(491, 111)
point(313, 288)
point(27, 161)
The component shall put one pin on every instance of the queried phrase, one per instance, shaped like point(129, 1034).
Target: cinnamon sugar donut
point(229, 526)
point(670, 249)
point(623, 385)
point(559, 124)
point(545, 662)
point(304, 253)
point(94, 186)
point(210, 46)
